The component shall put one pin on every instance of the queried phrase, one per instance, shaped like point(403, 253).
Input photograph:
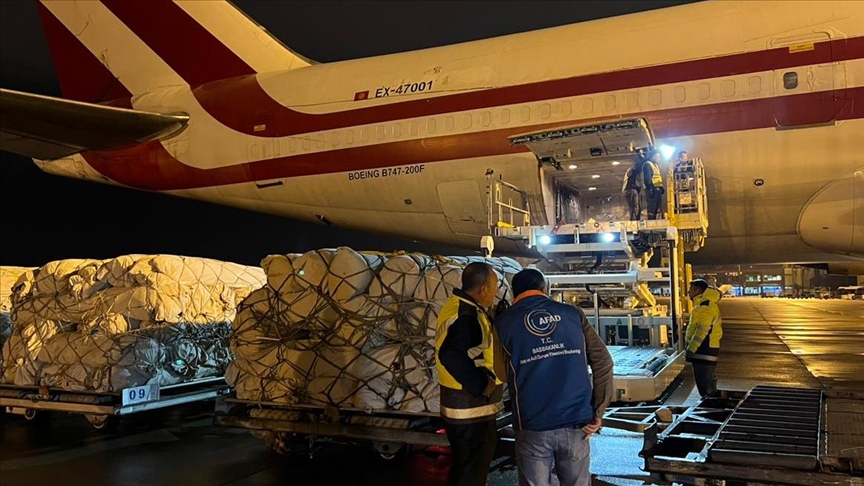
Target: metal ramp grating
point(772, 426)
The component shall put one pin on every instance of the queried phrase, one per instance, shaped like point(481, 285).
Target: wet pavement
point(808, 343)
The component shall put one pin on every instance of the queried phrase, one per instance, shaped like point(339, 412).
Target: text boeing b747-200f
point(195, 100)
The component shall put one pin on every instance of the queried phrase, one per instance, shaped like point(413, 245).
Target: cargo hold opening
point(583, 167)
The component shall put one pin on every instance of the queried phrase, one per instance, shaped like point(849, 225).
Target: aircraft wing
point(43, 127)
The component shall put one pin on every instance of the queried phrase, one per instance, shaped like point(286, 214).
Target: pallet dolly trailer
point(294, 428)
point(103, 410)
point(289, 429)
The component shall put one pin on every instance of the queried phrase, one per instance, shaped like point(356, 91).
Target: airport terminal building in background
point(775, 280)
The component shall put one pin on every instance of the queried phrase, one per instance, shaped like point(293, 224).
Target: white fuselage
point(400, 144)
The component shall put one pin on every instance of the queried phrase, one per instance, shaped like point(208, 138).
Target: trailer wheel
point(284, 444)
point(389, 450)
point(36, 416)
point(104, 423)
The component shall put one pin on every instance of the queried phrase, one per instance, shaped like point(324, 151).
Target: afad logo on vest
point(541, 323)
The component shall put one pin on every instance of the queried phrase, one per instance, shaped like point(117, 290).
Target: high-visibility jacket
point(702, 339)
point(652, 175)
point(457, 402)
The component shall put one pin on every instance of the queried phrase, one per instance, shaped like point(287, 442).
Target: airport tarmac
point(803, 343)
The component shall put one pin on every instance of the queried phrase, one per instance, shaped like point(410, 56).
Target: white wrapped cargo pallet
point(349, 329)
point(108, 325)
point(8, 276)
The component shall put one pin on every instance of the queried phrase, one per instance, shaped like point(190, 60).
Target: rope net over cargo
point(105, 325)
point(8, 277)
point(349, 329)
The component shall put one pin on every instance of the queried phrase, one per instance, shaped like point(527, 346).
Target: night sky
point(47, 217)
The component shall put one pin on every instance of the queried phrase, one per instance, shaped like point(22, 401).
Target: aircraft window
point(545, 111)
point(566, 108)
point(466, 120)
point(381, 131)
point(485, 118)
point(754, 84)
point(790, 80)
point(525, 113)
point(655, 97)
point(413, 128)
point(349, 137)
point(505, 116)
point(727, 88)
point(609, 103)
point(587, 105)
point(679, 94)
point(703, 91)
point(334, 139)
point(430, 125)
point(292, 145)
point(306, 144)
point(448, 123)
point(632, 100)
point(397, 130)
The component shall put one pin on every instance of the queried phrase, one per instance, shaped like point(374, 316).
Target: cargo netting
point(105, 325)
point(8, 276)
point(349, 329)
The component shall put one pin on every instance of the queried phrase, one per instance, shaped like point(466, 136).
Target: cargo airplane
point(194, 99)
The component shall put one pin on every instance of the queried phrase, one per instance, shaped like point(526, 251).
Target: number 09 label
point(140, 394)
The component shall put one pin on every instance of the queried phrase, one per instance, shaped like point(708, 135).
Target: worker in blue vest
point(549, 347)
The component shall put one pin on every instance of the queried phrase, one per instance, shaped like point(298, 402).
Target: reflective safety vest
point(652, 173)
point(456, 403)
point(702, 339)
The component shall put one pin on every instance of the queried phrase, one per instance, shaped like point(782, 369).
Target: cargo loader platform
point(628, 276)
point(644, 374)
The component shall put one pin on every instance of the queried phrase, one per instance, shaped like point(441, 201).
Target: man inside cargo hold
point(469, 367)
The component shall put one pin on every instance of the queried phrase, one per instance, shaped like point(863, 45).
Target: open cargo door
point(586, 165)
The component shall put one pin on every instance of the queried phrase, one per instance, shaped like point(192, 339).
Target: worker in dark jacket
point(654, 189)
point(557, 404)
point(632, 189)
point(471, 390)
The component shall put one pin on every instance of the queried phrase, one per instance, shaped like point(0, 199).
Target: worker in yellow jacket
point(702, 339)
point(653, 180)
point(471, 373)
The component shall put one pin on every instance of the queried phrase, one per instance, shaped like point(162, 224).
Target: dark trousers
point(472, 447)
point(655, 204)
point(706, 380)
point(634, 202)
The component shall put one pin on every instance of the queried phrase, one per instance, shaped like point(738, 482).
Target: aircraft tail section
point(113, 49)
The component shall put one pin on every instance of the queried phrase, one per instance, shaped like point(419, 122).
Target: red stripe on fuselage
point(151, 167)
point(242, 104)
point(187, 47)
